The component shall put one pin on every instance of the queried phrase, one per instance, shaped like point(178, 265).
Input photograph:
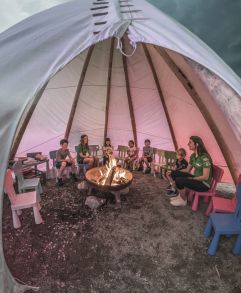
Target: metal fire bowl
point(95, 173)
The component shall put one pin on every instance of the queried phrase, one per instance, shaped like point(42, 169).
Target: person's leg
point(177, 174)
point(183, 185)
point(141, 161)
point(127, 163)
point(186, 183)
point(131, 163)
point(89, 162)
point(73, 170)
point(170, 180)
point(61, 169)
point(61, 166)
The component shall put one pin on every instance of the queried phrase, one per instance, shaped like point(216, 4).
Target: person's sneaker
point(175, 197)
point(148, 170)
point(172, 192)
point(179, 202)
point(73, 176)
point(60, 182)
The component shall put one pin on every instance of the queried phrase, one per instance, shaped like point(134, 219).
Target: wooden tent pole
point(23, 127)
point(203, 109)
point(108, 87)
point(133, 122)
point(154, 73)
point(77, 93)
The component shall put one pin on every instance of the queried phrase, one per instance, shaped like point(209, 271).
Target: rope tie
point(120, 47)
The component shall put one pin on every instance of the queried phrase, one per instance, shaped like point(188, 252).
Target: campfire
point(110, 177)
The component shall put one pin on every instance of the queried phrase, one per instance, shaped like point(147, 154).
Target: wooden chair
point(94, 149)
point(26, 184)
point(52, 156)
point(157, 163)
point(21, 201)
point(121, 153)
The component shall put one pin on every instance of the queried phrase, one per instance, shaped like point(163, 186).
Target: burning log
point(110, 176)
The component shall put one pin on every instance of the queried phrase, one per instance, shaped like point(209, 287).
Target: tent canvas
point(200, 92)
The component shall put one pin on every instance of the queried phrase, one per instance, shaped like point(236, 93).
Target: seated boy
point(146, 158)
point(63, 160)
point(181, 164)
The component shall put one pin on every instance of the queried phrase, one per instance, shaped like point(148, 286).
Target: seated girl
point(107, 151)
point(131, 155)
point(83, 153)
point(201, 162)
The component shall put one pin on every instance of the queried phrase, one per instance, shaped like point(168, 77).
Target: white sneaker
point(179, 202)
point(175, 197)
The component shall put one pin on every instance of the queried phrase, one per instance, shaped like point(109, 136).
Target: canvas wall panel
point(186, 118)
point(150, 117)
point(119, 122)
point(48, 122)
point(90, 112)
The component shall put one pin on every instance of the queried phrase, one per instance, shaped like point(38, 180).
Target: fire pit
point(110, 178)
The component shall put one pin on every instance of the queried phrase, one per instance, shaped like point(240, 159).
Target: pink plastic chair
point(217, 176)
point(21, 201)
point(222, 205)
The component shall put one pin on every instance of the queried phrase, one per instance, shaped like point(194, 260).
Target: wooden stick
point(77, 93)
point(201, 106)
point(133, 122)
point(154, 73)
point(108, 87)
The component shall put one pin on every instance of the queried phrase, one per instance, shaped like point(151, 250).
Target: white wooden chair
point(159, 160)
point(25, 184)
point(121, 153)
point(21, 201)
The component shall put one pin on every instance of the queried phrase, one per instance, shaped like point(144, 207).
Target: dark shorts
point(182, 182)
point(58, 165)
point(149, 159)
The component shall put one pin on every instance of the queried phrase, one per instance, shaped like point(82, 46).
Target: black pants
point(182, 181)
point(105, 160)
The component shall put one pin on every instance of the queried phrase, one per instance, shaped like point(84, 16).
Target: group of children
point(143, 164)
point(64, 158)
point(180, 178)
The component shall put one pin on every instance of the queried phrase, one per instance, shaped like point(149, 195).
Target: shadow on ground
point(148, 246)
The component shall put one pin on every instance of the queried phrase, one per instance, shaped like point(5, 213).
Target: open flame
point(119, 173)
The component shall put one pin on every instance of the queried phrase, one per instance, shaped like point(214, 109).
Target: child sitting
point(107, 151)
point(146, 158)
point(131, 155)
point(83, 152)
point(63, 160)
point(181, 164)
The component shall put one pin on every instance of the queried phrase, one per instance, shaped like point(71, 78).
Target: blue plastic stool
point(225, 224)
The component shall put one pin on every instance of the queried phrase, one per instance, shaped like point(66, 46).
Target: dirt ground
point(147, 246)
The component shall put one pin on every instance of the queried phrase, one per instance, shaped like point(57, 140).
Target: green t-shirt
point(199, 163)
point(83, 149)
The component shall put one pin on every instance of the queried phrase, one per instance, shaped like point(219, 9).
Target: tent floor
point(148, 246)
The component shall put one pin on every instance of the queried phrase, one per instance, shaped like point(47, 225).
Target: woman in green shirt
point(83, 153)
point(201, 178)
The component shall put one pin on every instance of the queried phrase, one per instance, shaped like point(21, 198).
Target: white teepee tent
point(65, 73)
